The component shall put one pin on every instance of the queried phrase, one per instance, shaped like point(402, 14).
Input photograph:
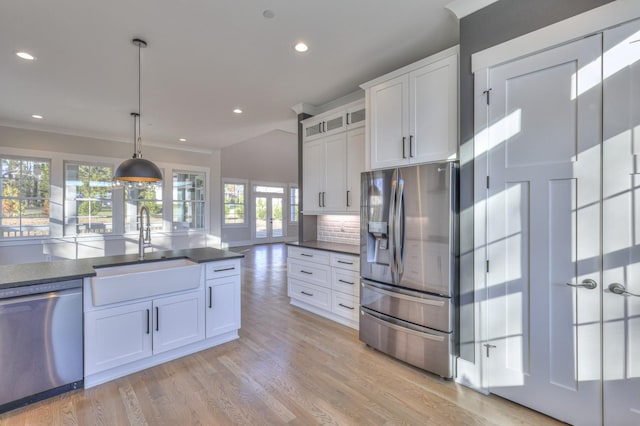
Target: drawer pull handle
point(305, 254)
point(346, 263)
point(345, 306)
point(224, 269)
point(346, 282)
point(306, 294)
point(306, 272)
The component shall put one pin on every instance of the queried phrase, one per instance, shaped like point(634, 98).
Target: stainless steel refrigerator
point(409, 264)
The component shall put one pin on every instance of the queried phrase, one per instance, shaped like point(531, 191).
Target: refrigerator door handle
point(398, 244)
point(392, 230)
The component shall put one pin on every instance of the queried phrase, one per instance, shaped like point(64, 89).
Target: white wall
point(272, 157)
point(59, 148)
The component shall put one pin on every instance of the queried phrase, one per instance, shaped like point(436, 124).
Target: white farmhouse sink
point(114, 284)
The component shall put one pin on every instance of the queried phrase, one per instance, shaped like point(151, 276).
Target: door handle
point(404, 154)
point(587, 283)
point(411, 146)
point(210, 297)
point(620, 289)
point(157, 319)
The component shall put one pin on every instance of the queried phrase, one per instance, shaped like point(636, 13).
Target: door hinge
point(487, 266)
point(488, 94)
point(488, 348)
point(487, 182)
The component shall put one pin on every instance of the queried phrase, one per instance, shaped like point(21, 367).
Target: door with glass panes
point(268, 218)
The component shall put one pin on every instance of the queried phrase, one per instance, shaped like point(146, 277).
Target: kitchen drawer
point(345, 305)
point(310, 255)
point(420, 308)
point(345, 281)
point(345, 261)
point(309, 272)
point(309, 293)
point(222, 268)
point(420, 346)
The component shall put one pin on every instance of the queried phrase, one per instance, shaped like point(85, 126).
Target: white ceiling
point(205, 58)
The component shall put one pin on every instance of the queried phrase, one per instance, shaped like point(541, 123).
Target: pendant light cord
point(139, 139)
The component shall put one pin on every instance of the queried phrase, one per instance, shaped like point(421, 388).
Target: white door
point(223, 305)
point(313, 175)
point(355, 166)
point(621, 233)
point(268, 210)
point(543, 231)
point(335, 169)
point(178, 321)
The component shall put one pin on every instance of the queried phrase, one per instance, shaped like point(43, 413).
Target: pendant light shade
point(137, 169)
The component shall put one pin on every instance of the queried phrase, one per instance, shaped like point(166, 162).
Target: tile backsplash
point(339, 229)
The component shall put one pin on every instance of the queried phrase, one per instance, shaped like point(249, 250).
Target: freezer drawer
point(419, 346)
point(427, 310)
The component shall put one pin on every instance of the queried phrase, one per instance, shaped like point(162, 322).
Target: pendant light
point(137, 169)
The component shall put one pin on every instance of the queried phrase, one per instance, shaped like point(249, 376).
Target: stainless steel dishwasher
point(40, 342)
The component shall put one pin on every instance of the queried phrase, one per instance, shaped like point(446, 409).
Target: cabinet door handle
point(345, 306)
point(157, 319)
point(319, 199)
point(411, 146)
point(305, 254)
point(404, 154)
point(306, 294)
point(344, 262)
point(306, 272)
point(210, 297)
point(224, 269)
point(148, 317)
point(323, 194)
point(346, 282)
point(348, 203)
point(347, 119)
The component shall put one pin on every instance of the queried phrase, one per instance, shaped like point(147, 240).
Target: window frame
point(245, 184)
point(64, 199)
point(203, 202)
point(19, 198)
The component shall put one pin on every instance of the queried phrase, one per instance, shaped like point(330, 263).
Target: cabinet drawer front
point(309, 293)
point(345, 305)
point(222, 268)
point(345, 281)
point(310, 255)
point(345, 261)
point(309, 272)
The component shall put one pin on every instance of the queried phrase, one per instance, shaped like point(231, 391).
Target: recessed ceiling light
point(25, 55)
point(237, 111)
point(268, 14)
point(37, 116)
point(301, 47)
point(182, 140)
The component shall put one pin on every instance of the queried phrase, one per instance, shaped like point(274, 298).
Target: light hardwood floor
point(288, 367)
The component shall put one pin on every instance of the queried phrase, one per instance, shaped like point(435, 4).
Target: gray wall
point(272, 157)
point(497, 23)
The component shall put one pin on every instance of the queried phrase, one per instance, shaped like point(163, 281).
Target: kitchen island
point(130, 314)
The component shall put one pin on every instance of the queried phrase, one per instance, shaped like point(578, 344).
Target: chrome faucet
point(145, 232)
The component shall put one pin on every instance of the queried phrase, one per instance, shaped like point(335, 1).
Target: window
point(234, 203)
point(188, 200)
point(138, 195)
point(24, 193)
point(87, 199)
point(293, 204)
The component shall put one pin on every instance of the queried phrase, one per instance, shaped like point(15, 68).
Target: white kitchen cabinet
point(178, 320)
point(222, 298)
point(324, 174)
point(412, 113)
point(355, 166)
point(117, 336)
point(129, 332)
point(325, 283)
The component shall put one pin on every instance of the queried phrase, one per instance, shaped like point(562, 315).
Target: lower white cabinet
point(125, 337)
point(223, 299)
point(325, 283)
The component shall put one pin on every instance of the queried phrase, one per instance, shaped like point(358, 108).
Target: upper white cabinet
point(412, 113)
point(332, 162)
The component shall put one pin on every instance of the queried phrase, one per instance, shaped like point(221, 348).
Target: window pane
point(189, 197)
point(149, 195)
point(293, 201)
point(24, 193)
point(88, 207)
point(234, 203)
point(270, 189)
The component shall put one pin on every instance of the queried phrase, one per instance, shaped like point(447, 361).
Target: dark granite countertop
point(62, 270)
point(324, 245)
